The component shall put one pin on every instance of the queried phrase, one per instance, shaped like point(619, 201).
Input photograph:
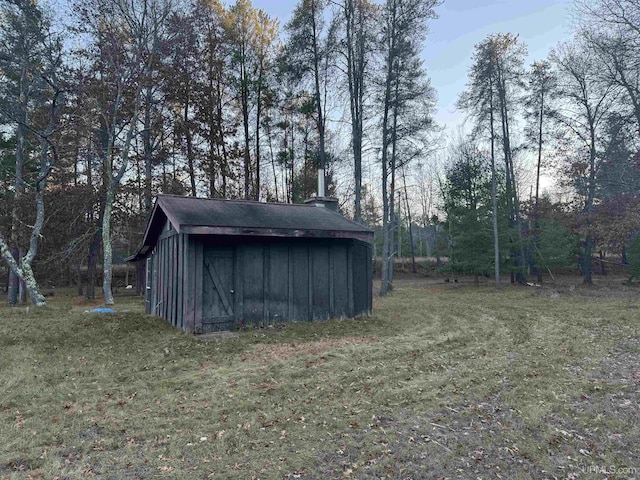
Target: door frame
point(227, 299)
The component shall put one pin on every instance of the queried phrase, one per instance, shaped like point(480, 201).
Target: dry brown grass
point(285, 351)
point(442, 382)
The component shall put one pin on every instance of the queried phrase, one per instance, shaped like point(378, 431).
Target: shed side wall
point(279, 280)
point(167, 278)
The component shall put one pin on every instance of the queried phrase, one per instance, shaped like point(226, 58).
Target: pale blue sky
point(462, 24)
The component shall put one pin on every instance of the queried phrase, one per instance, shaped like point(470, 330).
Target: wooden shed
point(222, 264)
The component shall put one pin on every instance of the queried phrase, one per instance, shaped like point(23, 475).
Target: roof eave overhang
point(363, 236)
point(150, 238)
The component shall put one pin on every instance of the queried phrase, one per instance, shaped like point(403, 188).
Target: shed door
point(217, 289)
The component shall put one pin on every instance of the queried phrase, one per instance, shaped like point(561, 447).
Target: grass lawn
point(455, 382)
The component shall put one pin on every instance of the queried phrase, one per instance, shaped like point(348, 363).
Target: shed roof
point(205, 216)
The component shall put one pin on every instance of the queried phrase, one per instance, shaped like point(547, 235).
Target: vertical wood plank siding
point(190, 284)
point(162, 267)
point(319, 279)
point(278, 283)
point(351, 312)
point(299, 258)
point(266, 289)
point(253, 284)
point(180, 280)
point(197, 291)
point(167, 282)
point(239, 290)
point(171, 292)
point(269, 280)
point(340, 281)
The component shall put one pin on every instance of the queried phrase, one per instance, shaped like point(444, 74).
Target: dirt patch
point(89, 434)
point(456, 442)
point(615, 386)
point(286, 351)
point(490, 439)
point(216, 336)
point(487, 439)
point(622, 364)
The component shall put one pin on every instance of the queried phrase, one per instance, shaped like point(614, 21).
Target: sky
point(462, 24)
point(541, 24)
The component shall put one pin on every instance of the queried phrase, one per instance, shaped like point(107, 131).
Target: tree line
point(573, 114)
point(119, 100)
point(122, 99)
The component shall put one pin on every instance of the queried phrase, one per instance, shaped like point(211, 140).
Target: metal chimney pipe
point(321, 189)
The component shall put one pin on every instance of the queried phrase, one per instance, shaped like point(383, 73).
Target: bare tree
point(357, 18)
point(32, 55)
point(215, 118)
point(585, 103)
point(122, 38)
point(406, 101)
point(309, 53)
point(263, 45)
point(542, 86)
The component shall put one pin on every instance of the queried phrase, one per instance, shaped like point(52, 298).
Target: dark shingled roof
point(207, 212)
point(205, 216)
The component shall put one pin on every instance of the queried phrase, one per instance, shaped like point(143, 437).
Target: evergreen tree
point(467, 194)
point(554, 247)
point(633, 257)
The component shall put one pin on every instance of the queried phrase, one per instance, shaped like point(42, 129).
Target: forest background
point(111, 102)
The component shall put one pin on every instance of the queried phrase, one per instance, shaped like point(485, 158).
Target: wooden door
point(218, 290)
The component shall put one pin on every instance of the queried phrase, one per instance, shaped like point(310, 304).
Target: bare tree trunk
point(21, 267)
point(587, 271)
point(13, 294)
point(219, 119)
point(22, 286)
point(536, 216)
point(22, 271)
point(411, 242)
point(293, 171)
point(148, 151)
point(188, 137)
point(386, 210)
point(393, 217)
point(273, 158)
point(512, 191)
point(113, 183)
point(494, 193)
point(107, 254)
point(258, 114)
point(14, 281)
point(355, 75)
point(92, 260)
point(244, 99)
